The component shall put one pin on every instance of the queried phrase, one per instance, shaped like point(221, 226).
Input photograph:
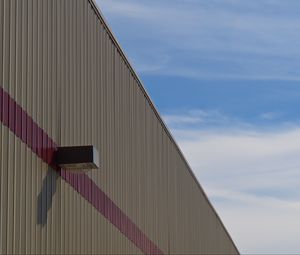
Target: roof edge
point(164, 126)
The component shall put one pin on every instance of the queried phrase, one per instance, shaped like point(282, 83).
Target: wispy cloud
point(252, 176)
point(260, 225)
point(199, 119)
point(248, 161)
point(214, 120)
point(210, 39)
point(270, 115)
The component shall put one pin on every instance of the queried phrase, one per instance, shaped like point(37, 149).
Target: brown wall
point(60, 63)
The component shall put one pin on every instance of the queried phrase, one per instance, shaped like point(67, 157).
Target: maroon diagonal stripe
point(23, 126)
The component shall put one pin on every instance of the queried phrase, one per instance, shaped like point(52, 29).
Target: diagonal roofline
point(143, 89)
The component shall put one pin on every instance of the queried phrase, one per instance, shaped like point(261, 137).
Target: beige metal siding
point(61, 64)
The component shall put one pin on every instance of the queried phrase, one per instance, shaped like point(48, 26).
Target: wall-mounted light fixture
point(77, 158)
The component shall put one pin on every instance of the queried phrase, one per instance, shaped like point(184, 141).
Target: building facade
point(64, 80)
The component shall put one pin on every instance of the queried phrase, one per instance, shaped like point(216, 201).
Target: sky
point(225, 77)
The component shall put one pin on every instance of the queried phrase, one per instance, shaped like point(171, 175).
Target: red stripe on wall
point(22, 125)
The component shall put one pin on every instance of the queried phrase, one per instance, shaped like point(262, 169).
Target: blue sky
point(225, 74)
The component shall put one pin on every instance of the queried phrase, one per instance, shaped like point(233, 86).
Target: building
point(64, 80)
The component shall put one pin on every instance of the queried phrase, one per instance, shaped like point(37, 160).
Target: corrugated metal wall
point(61, 65)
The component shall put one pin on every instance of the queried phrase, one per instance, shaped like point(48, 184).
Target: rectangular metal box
point(77, 157)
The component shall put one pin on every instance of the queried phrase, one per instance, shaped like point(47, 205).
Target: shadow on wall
point(44, 199)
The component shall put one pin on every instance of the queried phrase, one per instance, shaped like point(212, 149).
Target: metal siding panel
point(1, 109)
point(2, 192)
point(17, 154)
point(27, 131)
point(66, 71)
point(11, 137)
point(1, 40)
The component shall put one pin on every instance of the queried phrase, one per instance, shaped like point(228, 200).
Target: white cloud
point(270, 115)
point(196, 118)
point(222, 39)
point(262, 225)
point(234, 146)
point(179, 120)
point(252, 177)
